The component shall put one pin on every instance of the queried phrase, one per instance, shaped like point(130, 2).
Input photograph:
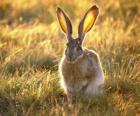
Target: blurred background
point(30, 33)
point(24, 11)
point(32, 44)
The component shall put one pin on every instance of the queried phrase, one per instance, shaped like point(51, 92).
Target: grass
point(31, 46)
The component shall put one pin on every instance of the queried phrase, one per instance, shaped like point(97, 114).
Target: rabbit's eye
point(67, 44)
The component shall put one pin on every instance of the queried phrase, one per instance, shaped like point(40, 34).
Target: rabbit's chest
point(75, 73)
point(76, 80)
point(75, 77)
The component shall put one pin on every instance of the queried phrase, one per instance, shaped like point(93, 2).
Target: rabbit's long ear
point(88, 21)
point(64, 22)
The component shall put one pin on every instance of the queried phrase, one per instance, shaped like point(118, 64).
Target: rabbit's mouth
point(72, 60)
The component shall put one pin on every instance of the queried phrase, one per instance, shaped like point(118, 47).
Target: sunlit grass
point(32, 44)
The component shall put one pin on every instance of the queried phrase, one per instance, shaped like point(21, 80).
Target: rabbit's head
point(74, 46)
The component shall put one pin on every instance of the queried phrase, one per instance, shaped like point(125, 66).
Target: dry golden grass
point(31, 45)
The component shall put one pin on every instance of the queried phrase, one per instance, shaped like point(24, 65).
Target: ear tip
point(58, 10)
point(94, 7)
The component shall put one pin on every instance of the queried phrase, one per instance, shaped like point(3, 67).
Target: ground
point(32, 44)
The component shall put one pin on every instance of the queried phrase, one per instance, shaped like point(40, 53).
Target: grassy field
point(31, 46)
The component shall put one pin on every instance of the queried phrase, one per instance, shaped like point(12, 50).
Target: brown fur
point(84, 70)
point(81, 71)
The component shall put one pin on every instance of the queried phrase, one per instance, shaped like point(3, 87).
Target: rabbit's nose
point(70, 56)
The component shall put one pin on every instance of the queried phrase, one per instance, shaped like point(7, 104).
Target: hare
point(80, 69)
